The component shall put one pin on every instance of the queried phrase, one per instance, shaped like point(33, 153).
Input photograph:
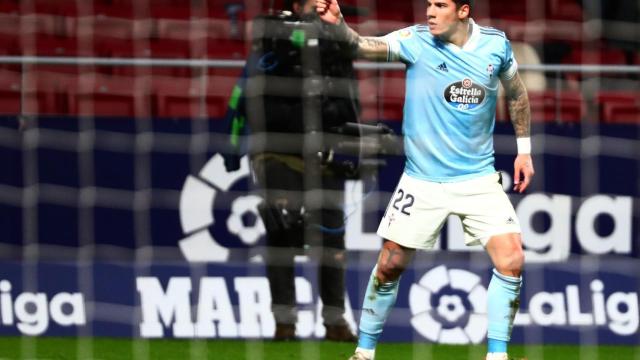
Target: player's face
point(444, 18)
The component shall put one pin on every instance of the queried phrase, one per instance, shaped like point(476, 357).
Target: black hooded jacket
point(297, 81)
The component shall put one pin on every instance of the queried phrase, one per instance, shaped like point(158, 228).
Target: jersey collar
point(472, 41)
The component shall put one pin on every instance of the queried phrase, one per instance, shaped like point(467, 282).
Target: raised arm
point(368, 47)
point(518, 102)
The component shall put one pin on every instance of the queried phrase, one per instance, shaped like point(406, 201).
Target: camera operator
point(297, 86)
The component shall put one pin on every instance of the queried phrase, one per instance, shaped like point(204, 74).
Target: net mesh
point(111, 170)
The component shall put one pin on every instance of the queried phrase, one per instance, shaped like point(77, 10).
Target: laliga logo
point(196, 211)
point(449, 306)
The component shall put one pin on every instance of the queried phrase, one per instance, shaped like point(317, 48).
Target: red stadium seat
point(391, 88)
point(226, 49)
point(178, 29)
point(34, 93)
point(112, 47)
point(10, 92)
point(227, 74)
point(381, 95)
point(170, 49)
point(50, 45)
point(103, 95)
point(596, 55)
point(61, 4)
point(39, 23)
point(105, 26)
point(368, 89)
point(617, 107)
point(155, 48)
point(9, 45)
point(180, 11)
point(40, 7)
point(117, 9)
point(565, 107)
point(508, 10)
point(567, 10)
point(389, 10)
point(68, 9)
point(182, 97)
point(165, 3)
point(42, 93)
point(9, 23)
point(177, 97)
point(9, 7)
point(194, 29)
point(222, 29)
point(593, 56)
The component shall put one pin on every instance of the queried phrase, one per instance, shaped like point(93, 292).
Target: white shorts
point(418, 209)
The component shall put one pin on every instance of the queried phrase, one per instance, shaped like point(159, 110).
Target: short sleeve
point(509, 63)
point(404, 45)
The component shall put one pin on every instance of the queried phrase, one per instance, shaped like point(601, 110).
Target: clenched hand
point(522, 172)
point(329, 11)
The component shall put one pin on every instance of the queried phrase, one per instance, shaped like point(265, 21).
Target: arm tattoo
point(518, 102)
point(368, 47)
point(345, 33)
point(373, 48)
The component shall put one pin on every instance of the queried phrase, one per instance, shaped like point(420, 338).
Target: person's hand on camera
point(329, 11)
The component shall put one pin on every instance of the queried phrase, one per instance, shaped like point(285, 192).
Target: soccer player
point(454, 67)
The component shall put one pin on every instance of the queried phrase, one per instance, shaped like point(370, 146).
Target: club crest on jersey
point(464, 94)
point(490, 70)
point(405, 34)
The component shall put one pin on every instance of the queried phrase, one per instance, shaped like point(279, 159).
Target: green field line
point(121, 349)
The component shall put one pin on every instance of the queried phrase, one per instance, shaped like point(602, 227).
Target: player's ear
point(463, 11)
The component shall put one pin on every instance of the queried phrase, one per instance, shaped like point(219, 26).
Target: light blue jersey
point(450, 101)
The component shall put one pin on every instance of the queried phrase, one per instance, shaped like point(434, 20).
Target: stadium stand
point(154, 48)
point(368, 88)
point(391, 92)
point(44, 93)
point(39, 44)
point(564, 106)
point(9, 22)
point(550, 31)
point(10, 92)
point(564, 10)
point(122, 28)
point(103, 95)
point(9, 45)
point(9, 7)
point(35, 93)
point(39, 23)
point(596, 54)
point(181, 97)
point(226, 49)
point(617, 107)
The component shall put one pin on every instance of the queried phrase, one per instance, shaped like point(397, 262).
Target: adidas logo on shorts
point(391, 218)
